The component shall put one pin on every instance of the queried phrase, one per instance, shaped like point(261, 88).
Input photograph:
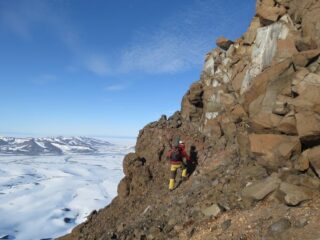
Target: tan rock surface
point(308, 124)
point(255, 106)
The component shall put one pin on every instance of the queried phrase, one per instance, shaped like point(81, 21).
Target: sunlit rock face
point(255, 71)
point(264, 50)
point(252, 121)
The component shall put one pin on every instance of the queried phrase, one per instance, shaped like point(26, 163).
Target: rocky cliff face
point(252, 126)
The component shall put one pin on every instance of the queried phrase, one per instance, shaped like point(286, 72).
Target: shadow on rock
point(192, 164)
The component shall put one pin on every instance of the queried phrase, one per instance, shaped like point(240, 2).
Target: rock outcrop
point(251, 124)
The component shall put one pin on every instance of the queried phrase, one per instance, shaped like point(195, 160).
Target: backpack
point(176, 155)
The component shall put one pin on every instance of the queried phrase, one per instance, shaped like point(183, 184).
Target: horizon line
point(32, 135)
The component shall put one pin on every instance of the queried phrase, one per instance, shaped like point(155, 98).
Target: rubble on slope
point(252, 126)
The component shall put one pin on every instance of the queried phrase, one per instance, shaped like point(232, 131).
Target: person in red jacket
point(178, 159)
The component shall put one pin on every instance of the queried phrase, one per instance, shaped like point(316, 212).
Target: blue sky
point(103, 67)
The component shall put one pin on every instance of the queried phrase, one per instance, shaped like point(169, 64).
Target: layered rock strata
point(251, 124)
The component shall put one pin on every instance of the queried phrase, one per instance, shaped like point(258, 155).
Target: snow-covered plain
point(43, 197)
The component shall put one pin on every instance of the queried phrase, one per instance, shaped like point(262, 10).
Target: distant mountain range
point(50, 145)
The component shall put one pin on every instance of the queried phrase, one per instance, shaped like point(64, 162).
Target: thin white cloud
point(179, 44)
point(16, 24)
point(22, 18)
point(97, 64)
point(44, 79)
point(116, 87)
point(161, 55)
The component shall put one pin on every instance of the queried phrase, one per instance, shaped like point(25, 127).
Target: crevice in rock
point(314, 170)
point(309, 143)
point(312, 60)
point(294, 94)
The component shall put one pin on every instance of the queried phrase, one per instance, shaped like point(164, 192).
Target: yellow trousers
point(174, 168)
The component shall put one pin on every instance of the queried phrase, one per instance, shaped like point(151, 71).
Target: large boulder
point(195, 94)
point(124, 188)
point(303, 44)
point(308, 125)
point(212, 128)
point(238, 113)
point(288, 124)
point(285, 49)
point(303, 162)
point(263, 107)
point(211, 211)
point(307, 90)
point(259, 190)
point(309, 157)
point(251, 33)
point(129, 162)
point(260, 83)
point(224, 43)
point(268, 3)
point(302, 59)
point(264, 121)
point(269, 14)
point(239, 72)
point(273, 149)
point(294, 195)
point(280, 107)
point(309, 82)
point(264, 51)
point(278, 228)
point(303, 180)
point(307, 14)
point(192, 104)
point(299, 75)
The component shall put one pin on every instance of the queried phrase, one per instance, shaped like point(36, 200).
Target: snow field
point(44, 197)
